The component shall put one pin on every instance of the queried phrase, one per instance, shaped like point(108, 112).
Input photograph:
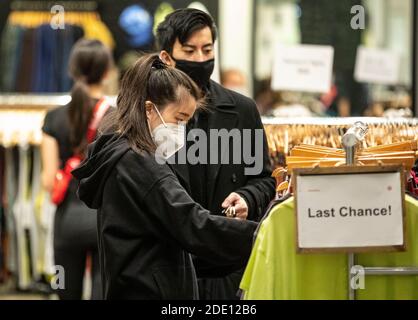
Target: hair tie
point(158, 64)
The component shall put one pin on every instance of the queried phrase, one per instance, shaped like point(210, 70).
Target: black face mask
point(200, 72)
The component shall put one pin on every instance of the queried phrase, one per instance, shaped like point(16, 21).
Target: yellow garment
point(163, 10)
point(94, 28)
point(276, 272)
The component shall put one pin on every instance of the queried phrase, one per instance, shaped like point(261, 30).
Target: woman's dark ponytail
point(89, 62)
point(80, 114)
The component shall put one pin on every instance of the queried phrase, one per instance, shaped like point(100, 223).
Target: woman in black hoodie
point(148, 224)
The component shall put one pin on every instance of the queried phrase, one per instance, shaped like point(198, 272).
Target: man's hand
point(240, 205)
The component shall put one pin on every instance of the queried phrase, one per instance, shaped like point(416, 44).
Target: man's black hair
point(181, 24)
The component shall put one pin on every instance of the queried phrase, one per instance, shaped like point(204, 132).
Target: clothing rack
point(25, 207)
point(47, 5)
point(25, 101)
point(283, 134)
point(22, 117)
point(337, 121)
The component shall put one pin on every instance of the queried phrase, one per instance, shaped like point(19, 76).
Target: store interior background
point(388, 26)
point(249, 31)
point(247, 43)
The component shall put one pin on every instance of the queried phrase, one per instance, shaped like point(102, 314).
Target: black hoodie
point(148, 225)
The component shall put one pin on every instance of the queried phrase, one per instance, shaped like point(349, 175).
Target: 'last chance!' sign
point(351, 209)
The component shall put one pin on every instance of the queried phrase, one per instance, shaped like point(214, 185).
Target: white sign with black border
point(350, 209)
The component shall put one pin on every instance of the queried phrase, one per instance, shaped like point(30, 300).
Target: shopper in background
point(65, 135)
point(148, 223)
point(186, 41)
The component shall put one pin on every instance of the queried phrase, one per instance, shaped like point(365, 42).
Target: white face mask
point(169, 138)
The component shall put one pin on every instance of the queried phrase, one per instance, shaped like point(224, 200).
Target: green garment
point(276, 272)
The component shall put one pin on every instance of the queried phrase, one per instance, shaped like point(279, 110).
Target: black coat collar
point(219, 96)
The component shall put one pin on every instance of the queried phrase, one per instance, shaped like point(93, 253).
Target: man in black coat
point(235, 173)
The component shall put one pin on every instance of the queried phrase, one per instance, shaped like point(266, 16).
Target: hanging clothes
point(20, 212)
point(22, 225)
point(34, 57)
point(10, 50)
point(2, 216)
point(90, 22)
point(11, 169)
point(412, 186)
point(394, 287)
point(34, 227)
point(52, 54)
point(45, 215)
point(276, 272)
point(27, 218)
point(43, 79)
point(95, 29)
point(66, 39)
